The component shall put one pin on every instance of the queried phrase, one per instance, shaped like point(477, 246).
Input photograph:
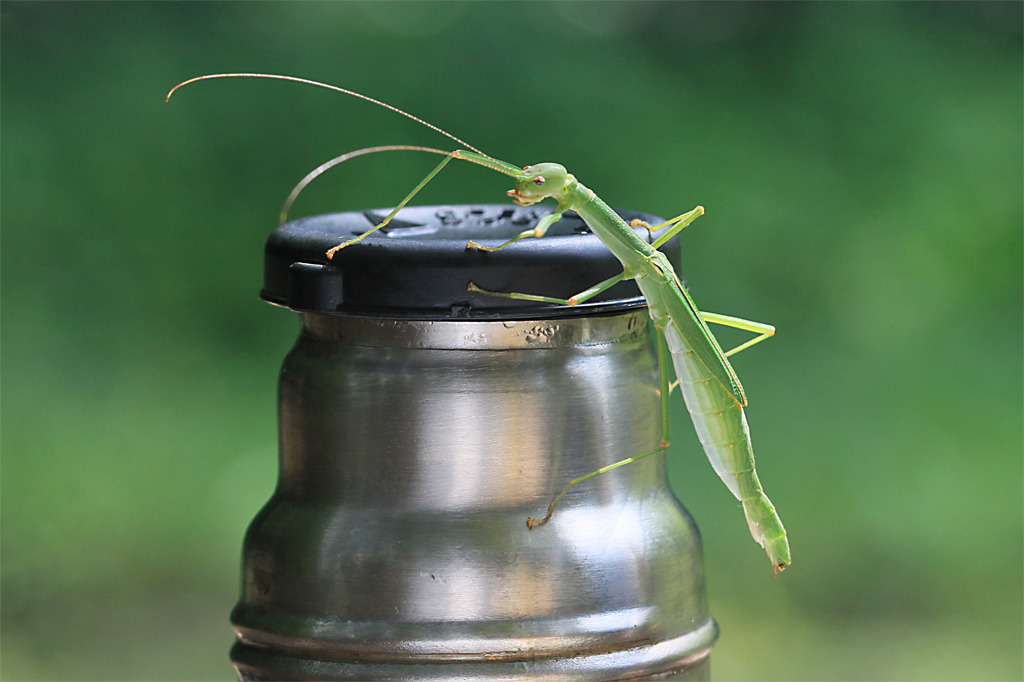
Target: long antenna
point(329, 87)
point(316, 172)
point(484, 160)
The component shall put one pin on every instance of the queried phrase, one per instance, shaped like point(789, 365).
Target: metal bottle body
point(412, 452)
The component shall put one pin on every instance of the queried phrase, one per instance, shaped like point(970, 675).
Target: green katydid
point(711, 390)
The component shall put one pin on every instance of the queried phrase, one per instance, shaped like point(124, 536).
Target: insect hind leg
point(763, 330)
point(532, 523)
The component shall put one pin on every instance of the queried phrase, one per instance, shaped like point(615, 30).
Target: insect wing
point(698, 337)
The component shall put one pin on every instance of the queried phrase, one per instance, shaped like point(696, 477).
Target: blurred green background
point(861, 165)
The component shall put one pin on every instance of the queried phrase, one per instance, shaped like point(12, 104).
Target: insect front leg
point(406, 200)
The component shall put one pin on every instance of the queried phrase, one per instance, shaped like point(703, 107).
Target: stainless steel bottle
point(420, 426)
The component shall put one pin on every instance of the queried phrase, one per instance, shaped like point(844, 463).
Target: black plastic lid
point(417, 267)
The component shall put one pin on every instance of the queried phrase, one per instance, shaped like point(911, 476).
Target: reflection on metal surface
point(396, 546)
point(479, 335)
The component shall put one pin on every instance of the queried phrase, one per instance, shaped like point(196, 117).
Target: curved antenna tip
point(352, 93)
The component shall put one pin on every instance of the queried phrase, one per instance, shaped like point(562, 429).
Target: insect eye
point(539, 180)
